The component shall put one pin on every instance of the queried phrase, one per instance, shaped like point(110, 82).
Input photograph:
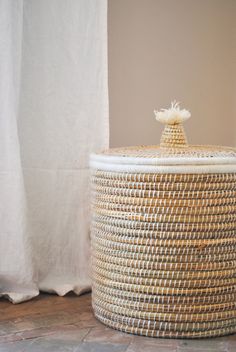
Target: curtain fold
point(53, 113)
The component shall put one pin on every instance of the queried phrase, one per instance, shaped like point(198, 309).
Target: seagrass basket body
point(163, 239)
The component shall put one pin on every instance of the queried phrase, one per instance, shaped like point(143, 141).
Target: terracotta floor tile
point(52, 323)
point(105, 334)
point(100, 347)
point(19, 346)
point(208, 345)
point(152, 345)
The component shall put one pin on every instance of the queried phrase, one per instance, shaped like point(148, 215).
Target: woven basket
point(164, 238)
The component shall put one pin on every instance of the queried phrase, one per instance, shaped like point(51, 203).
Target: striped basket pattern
point(164, 253)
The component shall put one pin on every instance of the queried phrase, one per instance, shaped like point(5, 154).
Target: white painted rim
point(162, 165)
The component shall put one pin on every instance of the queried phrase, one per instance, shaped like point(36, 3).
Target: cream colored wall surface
point(160, 50)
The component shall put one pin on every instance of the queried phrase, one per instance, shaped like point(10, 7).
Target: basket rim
point(220, 159)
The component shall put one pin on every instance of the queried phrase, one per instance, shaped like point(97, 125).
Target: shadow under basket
point(163, 238)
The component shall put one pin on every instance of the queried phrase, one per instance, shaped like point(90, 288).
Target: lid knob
point(173, 135)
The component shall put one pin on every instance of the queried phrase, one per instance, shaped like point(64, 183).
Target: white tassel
point(173, 115)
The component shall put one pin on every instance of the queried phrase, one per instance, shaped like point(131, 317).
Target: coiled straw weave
point(164, 253)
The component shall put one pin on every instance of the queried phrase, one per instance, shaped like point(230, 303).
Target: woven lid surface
point(173, 155)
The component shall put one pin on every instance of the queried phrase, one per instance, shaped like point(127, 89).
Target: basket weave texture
point(164, 243)
point(164, 260)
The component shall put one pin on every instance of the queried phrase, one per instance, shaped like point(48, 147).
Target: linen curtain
point(53, 113)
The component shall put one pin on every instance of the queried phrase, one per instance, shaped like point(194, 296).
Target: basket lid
point(173, 155)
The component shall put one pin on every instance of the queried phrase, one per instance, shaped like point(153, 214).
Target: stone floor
point(52, 323)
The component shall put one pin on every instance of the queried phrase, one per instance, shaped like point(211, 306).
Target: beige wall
point(160, 50)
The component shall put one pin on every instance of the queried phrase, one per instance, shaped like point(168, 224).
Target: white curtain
point(53, 113)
